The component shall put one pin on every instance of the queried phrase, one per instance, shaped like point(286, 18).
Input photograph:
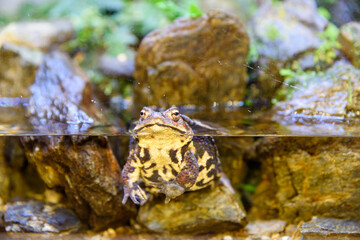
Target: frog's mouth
point(162, 127)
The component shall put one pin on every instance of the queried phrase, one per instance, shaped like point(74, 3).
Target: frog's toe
point(138, 196)
point(173, 190)
point(125, 198)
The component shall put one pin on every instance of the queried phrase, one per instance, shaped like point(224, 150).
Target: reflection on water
point(233, 120)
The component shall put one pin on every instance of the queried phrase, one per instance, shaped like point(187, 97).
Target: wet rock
point(304, 177)
point(331, 97)
point(203, 211)
point(330, 228)
point(192, 61)
point(283, 32)
point(41, 35)
point(349, 39)
point(38, 217)
point(61, 97)
point(84, 167)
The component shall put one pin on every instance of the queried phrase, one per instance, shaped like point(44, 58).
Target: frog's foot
point(170, 189)
point(137, 195)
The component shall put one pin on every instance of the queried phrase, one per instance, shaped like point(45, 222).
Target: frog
point(167, 157)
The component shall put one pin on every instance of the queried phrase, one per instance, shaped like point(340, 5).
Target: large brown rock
point(304, 177)
point(349, 39)
point(84, 167)
point(193, 61)
point(203, 211)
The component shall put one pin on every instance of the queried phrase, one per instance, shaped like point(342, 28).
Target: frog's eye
point(175, 115)
point(143, 114)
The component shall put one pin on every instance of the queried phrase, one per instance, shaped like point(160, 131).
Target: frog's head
point(167, 127)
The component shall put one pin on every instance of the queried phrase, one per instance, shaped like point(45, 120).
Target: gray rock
point(38, 217)
point(282, 32)
point(61, 96)
point(203, 211)
point(330, 228)
point(342, 11)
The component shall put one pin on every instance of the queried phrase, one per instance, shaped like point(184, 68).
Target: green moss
point(248, 188)
point(194, 11)
point(248, 102)
point(326, 52)
point(324, 12)
point(272, 33)
point(253, 53)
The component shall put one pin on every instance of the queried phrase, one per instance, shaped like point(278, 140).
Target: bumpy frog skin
point(167, 157)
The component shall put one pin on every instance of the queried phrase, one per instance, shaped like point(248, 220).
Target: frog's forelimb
point(130, 175)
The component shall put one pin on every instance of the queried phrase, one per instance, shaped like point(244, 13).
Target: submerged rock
point(330, 228)
point(304, 177)
point(39, 217)
point(41, 35)
point(17, 178)
point(83, 166)
point(193, 61)
point(265, 228)
point(331, 97)
point(350, 42)
point(203, 211)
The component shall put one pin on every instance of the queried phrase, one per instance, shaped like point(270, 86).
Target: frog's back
point(207, 155)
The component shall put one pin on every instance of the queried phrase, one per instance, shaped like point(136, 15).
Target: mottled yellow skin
point(166, 157)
